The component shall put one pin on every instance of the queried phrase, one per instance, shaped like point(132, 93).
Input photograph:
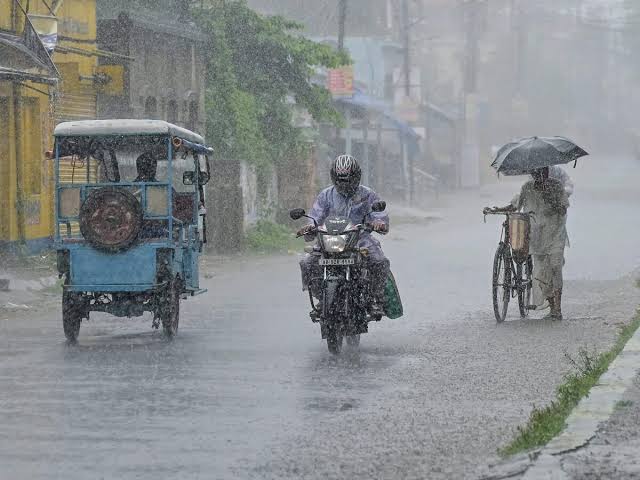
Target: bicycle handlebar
point(493, 212)
point(486, 212)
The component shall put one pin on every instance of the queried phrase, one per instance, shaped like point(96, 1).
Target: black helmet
point(346, 174)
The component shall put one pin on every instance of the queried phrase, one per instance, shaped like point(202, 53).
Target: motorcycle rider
point(347, 198)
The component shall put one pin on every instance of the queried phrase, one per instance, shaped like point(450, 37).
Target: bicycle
point(512, 264)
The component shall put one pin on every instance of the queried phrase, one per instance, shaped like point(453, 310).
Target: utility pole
point(468, 168)
point(471, 45)
point(520, 28)
point(342, 20)
point(407, 158)
point(405, 48)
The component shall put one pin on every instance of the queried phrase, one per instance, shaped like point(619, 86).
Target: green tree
point(259, 70)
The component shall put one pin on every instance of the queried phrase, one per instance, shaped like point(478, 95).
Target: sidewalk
point(615, 450)
point(601, 439)
point(24, 280)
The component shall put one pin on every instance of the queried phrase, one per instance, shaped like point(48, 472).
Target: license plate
point(337, 261)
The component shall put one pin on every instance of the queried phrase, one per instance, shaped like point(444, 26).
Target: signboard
point(340, 81)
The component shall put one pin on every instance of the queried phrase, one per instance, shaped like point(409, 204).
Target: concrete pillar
point(379, 158)
point(347, 133)
point(365, 153)
point(405, 167)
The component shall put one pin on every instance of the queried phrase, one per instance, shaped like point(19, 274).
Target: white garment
point(547, 276)
point(548, 235)
point(548, 223)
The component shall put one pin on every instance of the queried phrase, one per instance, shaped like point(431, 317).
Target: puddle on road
point(331, 405)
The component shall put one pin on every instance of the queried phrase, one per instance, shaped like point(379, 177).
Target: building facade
point(65, 60)
point(28, 80)
point(161, 54)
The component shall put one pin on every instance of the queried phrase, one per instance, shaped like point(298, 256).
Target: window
point(193, 116)
point(172, 111)
point(151, 108)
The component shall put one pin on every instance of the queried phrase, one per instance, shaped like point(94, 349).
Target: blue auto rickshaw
point(129, 218)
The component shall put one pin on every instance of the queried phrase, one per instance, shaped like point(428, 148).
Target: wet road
point(248, 390)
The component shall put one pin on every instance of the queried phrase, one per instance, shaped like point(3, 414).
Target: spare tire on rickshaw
point(111, 219)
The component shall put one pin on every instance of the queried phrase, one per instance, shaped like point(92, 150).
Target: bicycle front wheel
point(501, 287)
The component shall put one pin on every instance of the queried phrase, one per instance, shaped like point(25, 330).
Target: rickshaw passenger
point(146, 166)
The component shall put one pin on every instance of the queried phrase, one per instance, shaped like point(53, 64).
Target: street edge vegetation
point(267, 237)
point(260, 78)
point(546, 423)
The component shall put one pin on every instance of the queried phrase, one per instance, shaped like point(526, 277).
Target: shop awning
point(368, 103)
point(21, 76)
point(24, 57)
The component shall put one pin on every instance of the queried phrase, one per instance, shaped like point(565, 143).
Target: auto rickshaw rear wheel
point(111, 219)
point(72, 313)
point(170, 307)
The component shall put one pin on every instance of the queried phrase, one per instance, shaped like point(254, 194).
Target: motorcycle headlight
point(334, 243)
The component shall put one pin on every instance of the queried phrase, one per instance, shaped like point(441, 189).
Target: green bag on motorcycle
point(392, 302)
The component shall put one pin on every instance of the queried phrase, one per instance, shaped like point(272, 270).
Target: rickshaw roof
point(95, 128)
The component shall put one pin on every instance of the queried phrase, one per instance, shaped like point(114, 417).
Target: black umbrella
point(527, 154)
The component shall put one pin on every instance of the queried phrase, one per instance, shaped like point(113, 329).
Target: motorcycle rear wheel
point(334, 342)
point(353, 340)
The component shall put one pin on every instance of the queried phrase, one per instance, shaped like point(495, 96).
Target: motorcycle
point(343, 309)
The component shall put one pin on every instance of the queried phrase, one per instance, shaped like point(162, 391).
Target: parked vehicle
point(129, 197)
point(343, 310)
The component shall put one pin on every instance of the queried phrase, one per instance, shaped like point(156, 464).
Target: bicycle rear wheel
point(524, 272)
point(501, 285)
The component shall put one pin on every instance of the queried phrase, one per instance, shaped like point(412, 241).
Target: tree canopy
point(259, 71)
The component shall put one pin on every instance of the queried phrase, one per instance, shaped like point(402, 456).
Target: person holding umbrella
point(548, 200)
point(557, 172)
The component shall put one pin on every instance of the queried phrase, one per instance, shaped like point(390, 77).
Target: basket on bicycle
point(519, 229)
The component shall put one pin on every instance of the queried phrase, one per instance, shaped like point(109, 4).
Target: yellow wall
point(77, 29)
point(5, 14)
point(26, 205)
point(10, 16)
point(7, 164)
point(26, 186)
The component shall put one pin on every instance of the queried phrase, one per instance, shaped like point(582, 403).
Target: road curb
point(34, 285)
point(582, 424)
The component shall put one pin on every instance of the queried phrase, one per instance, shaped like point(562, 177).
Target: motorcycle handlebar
point(367, 227)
